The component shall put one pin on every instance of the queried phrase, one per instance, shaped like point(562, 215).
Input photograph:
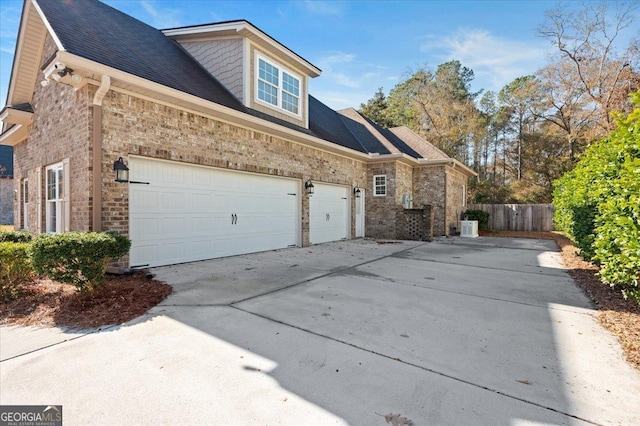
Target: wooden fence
point(518, 217)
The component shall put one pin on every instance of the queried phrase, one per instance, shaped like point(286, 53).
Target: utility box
point(469, 228)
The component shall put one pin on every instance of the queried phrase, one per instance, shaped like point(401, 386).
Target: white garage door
point(329, 213)
point(189, 213)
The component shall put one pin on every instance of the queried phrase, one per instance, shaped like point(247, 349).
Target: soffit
point(26, 62)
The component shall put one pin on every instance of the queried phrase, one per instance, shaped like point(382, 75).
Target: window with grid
point(55, 189)
point(380, 185)
point(278, 87)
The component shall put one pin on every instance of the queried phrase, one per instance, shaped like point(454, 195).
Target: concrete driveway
point(458, 331)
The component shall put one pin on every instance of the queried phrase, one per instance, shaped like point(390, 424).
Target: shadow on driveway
point(483, 331)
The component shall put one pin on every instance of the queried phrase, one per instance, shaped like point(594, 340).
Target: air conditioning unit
point(469, 228)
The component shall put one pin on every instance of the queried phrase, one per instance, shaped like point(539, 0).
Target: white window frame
point(282, 70)
point(54, 196)
point(25, 203)
point(464, 195)
point(57, 207)
point(382, 186)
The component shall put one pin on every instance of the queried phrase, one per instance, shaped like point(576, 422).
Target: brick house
point(220, 136)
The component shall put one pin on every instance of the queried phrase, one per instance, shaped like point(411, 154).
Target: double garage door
point(190, 213)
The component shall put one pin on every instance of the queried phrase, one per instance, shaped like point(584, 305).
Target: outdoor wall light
point(308, 186)
point(356, 192)
point(122, 172)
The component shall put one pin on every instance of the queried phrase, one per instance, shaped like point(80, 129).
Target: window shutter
point(39, 194)
point(66, 205)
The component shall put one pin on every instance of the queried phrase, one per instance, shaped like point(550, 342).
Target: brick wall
point(414, 224)
point(60, 130)
point(429, 184)
point(456, 181)
point(141, 127)
point(380, 211)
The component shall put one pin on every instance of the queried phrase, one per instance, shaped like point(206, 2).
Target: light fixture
point(357, 191)
point(122, 172)
point(64, 72)
point(308, 186)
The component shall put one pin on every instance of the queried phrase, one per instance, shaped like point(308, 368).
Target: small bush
point(15, 237)
point(78, 258)
point(15, 268)
point(480, 215)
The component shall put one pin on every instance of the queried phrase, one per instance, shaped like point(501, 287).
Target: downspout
point(96, 160)
point(445, 225)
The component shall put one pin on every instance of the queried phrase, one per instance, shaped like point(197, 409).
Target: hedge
point(480, 215)
point(15, 268)
point(77, 258)
point(598, 204)
point(15, 237)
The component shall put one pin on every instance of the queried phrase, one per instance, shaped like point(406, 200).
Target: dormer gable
point(264, 74)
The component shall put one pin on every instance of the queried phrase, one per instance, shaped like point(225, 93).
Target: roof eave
point(245, 29)
point(128, 82)
point(455, 164)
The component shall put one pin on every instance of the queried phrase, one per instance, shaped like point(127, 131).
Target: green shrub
point(15, 237)
point(15, 268)
point(598, 204)
point(77, 258)
point(480, 215)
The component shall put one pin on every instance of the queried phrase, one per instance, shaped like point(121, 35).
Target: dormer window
point(278, 87)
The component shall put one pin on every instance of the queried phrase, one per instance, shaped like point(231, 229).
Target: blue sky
point(359, 45)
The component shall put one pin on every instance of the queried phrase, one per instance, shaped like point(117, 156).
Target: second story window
point(278, 87)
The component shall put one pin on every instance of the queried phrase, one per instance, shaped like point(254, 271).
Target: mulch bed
point(618, 315)
point(119, 299)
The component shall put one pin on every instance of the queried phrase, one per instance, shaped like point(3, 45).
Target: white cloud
point(340, 100)
point(325, 8)
point(344, 80)
point(165, 18)
point(495, 61)
point(336, 57)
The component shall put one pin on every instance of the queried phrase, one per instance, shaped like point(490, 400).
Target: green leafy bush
point(77, 258)
point(15, 237)
point(15, 268)
point(598, 204)
point(480, 215)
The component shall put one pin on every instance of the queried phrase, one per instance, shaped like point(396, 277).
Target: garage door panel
point(328, 213)
point(186, 213)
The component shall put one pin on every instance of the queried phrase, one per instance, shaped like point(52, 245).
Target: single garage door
point(328, 213)
point(190, 213)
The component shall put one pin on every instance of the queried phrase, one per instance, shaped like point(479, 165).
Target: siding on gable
point(223, 59)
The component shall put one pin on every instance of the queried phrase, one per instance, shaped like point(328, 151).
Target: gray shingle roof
point(335, 127)
point(100, 33)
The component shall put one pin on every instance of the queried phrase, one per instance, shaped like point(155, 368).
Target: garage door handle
point(328, 217)
point(291, 193)
point(234, 218)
